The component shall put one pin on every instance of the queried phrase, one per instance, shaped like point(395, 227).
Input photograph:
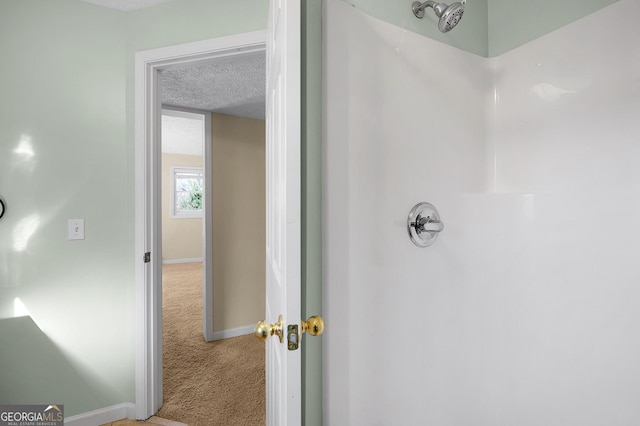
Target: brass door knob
point(264, 330)
point(314, 325)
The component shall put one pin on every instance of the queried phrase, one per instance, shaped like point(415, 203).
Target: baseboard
point(172, 261)
point(126, 410)
point(232, 332)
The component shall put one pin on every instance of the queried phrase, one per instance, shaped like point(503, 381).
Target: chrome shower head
point(449, 16)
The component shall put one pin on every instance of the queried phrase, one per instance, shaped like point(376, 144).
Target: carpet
point(206, 383)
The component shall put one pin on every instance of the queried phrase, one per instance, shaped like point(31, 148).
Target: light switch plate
point(76, 229)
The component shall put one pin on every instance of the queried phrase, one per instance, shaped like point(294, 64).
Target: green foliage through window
point(192, 196)
point(188, 183)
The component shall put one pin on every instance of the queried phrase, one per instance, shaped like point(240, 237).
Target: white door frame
point(207, 221)
point(148, 301)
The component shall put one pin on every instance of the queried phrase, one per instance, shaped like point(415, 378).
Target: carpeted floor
point(206, 384)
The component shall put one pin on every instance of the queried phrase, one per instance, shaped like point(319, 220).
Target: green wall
point(489, 27)
point(312, 206)
point(184, 21)
point(64, 154)
point(514, 23)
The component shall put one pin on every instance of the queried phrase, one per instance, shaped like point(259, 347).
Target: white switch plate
point(76, 229)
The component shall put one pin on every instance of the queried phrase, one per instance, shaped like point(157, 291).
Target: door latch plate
point(293, 338)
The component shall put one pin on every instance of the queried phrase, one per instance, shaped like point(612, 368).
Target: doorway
point(185, 143)
point(204, 383)
point(148, 221)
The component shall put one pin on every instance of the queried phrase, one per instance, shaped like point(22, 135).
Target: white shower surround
point(525, 310)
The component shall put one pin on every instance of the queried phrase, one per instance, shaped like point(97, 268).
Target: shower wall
point(524, 311)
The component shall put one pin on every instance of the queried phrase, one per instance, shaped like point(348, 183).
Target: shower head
point(449, 16)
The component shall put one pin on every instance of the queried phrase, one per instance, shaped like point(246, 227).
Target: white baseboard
point(172, 261)
point(126, 410)
point(232, 332)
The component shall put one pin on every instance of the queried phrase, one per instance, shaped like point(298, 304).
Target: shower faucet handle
point(428, 224)
point(424, 224)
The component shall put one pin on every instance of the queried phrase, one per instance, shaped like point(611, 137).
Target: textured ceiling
point(127, 4)
point(234, 85)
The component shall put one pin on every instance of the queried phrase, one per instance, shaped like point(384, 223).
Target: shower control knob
point(423, 224)
point(427, 224)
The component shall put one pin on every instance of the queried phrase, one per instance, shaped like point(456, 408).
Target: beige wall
point(238, 199)
point(181, 237)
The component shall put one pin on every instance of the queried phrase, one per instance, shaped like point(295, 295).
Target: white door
point(283, 367)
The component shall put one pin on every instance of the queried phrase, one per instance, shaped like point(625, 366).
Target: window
point(187, 183)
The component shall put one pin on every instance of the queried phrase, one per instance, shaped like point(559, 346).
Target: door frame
point(207, 220)
point(148, 289)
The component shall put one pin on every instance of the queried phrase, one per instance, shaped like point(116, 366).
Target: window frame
point(185, 214)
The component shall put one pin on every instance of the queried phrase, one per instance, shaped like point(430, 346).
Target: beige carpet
point(206, 384)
